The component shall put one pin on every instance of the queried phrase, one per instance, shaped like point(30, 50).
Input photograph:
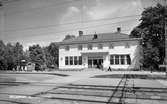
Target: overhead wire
point(87, 27)
point(72, 23)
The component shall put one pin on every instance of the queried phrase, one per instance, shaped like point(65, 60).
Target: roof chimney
point(95, 36)
point(119, 29)
point(80, 33)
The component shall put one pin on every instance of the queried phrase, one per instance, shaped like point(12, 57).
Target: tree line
point(11, 55)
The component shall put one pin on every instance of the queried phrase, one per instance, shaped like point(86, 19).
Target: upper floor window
point(67, 48)
point(100, 46)
point(111, 46)
point(127, 45)
point(80, 47)
point(89, 46)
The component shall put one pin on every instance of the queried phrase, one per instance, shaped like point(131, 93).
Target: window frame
point(80, 60)
point(112, 60)
point(71, 60)
point(66, 60)
point(90, 46)
point(67, 47)
point(127, 45)
point(80, 47)
point(117, 60)
point(122, 59)
point(111, 46)
point(75, 60)
point(100, 46)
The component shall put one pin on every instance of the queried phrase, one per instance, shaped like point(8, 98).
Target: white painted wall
point(119, 48)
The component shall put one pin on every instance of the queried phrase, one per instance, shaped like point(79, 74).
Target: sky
point(44, 21)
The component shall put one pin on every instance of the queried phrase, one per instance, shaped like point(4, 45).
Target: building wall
point(119, 49)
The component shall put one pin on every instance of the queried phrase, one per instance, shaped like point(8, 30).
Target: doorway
point(95, 62)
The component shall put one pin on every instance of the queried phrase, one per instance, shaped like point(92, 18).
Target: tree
point(151, 30)
point(9, 56)
point(36, 54)
point(3, 63)
point(18, 52)
point(51, 53)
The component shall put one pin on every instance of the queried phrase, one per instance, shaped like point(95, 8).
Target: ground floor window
point(80, 60)
point(120, 60)
point(73, 60)
point(66, 61)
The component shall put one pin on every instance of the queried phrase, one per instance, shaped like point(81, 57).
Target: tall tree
point(18, 52)
point(36, 54)
point(9, 56)
point(52, 54)
point(151, 30)
point(3, 63)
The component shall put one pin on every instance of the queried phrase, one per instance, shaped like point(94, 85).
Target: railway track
point(93, 94)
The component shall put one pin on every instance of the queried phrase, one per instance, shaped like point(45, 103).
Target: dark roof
point(101, 37)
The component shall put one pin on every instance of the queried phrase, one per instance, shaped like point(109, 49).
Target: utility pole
point(165, 16)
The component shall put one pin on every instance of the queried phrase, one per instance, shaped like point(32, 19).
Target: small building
point(116, 50)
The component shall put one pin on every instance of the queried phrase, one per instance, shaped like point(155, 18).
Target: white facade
point(90, 58)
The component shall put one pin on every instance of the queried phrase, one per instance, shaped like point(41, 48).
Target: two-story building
point(102, 50)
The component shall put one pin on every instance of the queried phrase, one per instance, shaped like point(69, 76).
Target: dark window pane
point(116, 59)
point(66, 60)
point(79, 47)
point(111, 59)
point(67, 48)
point(122, 59)
point(111, 46)
point(71, 60)
point(75, 60)
point(128, 60)
point(80, 60)
point(100, 46)
point(89, 46)
point(127, 45)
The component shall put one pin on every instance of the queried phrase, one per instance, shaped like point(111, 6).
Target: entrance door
point(95, 62)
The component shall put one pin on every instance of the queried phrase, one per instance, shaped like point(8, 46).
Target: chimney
point(80, 33)
point(118, 29)
point(95, 36)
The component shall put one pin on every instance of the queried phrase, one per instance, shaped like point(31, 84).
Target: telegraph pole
point(165, 16)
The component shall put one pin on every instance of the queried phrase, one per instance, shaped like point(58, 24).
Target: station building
point(100, 50)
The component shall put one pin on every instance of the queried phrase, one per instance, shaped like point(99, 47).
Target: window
point(122, 59)
point(127, 45)
point(111, 46)
point(66, 60)
point(117, 59)
point(111, 59)
point(100, 46)
point(79, 47)
point(128, 59)
point(67, 48)
point(71, 60)
point(80, 60)
point(75, 60)
point(89, 46)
